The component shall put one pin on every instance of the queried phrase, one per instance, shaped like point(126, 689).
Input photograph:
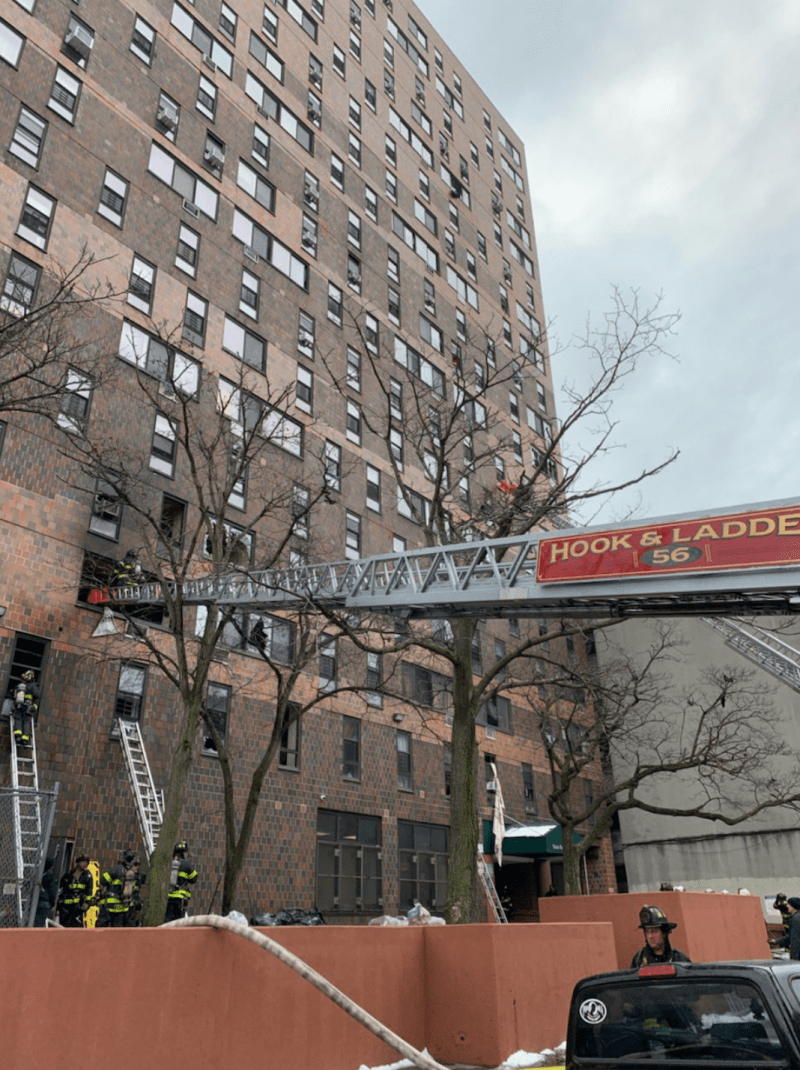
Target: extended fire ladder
point(148, 799)
point(27, 820)
point(485, 874)
point(763, 648)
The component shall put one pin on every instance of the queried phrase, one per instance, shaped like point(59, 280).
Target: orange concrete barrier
point(473, 993)
point(711, 927)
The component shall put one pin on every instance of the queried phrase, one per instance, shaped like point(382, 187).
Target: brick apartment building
point(256, 177)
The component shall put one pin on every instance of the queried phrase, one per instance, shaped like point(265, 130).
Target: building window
point(391, 186)
point(113, 196)
point(129, 699)
point(171, 522)
point(332, 464)
point(65, 94)
point(354, 149)
point(188, 249)
point(309, 235)
point(327, 663)
point(335, 304)
point(227, 21)
point(106, 516)
point(426, 687)
point(28, 138)
point(354, 229)
point(214, 54)
point(394, 305)
point(315, 70)
point(306, 330)
point(301, 503)
point(396, 447)
point(206, 97)
point(20, 286)
point(79, 42)
point(314, 109)
point(355, 46)
point(251, 182)
point(11, 43)
point(355, 113)
point(423, 851)
point(403, 745)
point(141, 284)
point(163, 446)
point(352, 536)
point(371, 336)
point(249, 294)
point(337, 171)
point(270, 25)
point(528, 788)
point(391, 151)
point(353, 424)
point(143, 40)
point(374, 680)
point(218, 698)
point(353, 368)
point(351, 748)
point(339, 61)
point(289, 754)
point(393, 264)
point(37, 217)
point(349, 872)
point(75, 402)
point(195, 316)
point(260, 148)
point(371, 203)
point(304, 389)
point(311, 191)
point(300, 16)
point(396, 399)
point(235, 544)
point(244, 344)
point(370, 94)
point(354, 273)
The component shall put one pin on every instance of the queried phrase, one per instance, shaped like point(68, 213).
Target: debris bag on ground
point(292, 916)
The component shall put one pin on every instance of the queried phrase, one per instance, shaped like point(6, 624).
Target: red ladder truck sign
point(750, 539)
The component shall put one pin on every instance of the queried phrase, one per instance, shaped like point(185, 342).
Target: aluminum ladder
point(27, 820)
point(148, 799)
point(485, 874)
point(763, 648)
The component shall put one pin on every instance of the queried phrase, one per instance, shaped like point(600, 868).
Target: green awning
point(541, 839)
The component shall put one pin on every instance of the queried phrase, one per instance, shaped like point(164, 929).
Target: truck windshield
point(670, 1020)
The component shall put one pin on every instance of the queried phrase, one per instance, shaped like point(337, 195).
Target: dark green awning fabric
point(540, 839)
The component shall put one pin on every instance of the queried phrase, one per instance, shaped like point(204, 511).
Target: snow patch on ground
point(520, 1060)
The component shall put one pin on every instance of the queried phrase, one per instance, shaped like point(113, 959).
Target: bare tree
point(620, 739)
point(49, 356)
point(465, 467)
point(234, 448)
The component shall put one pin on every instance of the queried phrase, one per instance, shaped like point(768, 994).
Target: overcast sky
point(663, 151)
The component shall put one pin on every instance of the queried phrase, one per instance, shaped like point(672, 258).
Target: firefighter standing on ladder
point(26, 703)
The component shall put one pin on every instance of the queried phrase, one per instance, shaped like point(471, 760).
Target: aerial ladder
point(148, 801)
point(485, 876)
point(761, 647)
point(27, 821)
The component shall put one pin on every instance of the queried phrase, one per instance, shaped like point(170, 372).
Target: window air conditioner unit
point(167, 390)
point(263, 112)
point(209, 62)
point(316, 78)
point(308, 240)
point(354, 278)
point(251, 254)
point(496, 206)
point(314, 115)
point(80, 41)
point(214, 157)
point(464, 170)
point(167, 116)
point(491, 786)
point(191, 208)
point(355, 18)
point(305, 339)
point(420, 94)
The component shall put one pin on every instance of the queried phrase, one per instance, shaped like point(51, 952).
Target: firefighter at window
point(26, 705)
point(183, 876)
point(116, 892)
point(128, 571)
point(75, 893)
point(657, 947)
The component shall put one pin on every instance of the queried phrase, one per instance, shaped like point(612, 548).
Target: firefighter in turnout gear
point(182, 877)
point(75, 893)
point(128, 571)
point(657, 947)
point(26, 703)
point(117, 892)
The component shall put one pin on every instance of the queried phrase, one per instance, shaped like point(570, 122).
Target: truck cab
point(687, 1015)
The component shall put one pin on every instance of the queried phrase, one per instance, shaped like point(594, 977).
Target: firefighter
point(116, 895)
point(76, 891)
point(128, 571)
point(182, 877)
point(134, 915)
point(781, 904)
point(26, 704)
point(657, 947)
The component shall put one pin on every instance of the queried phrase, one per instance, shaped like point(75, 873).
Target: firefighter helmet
point(28, 674)
point(180, 848)
point(654, 918)
point(128, 857)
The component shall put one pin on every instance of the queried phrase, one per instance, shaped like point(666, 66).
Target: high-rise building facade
point(312, 212)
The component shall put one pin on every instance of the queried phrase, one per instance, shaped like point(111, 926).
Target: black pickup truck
point(682, 1016)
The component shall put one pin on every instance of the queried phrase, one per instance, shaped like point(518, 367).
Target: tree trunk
point(463, 898)
point(572, 861)
point(161, 859)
